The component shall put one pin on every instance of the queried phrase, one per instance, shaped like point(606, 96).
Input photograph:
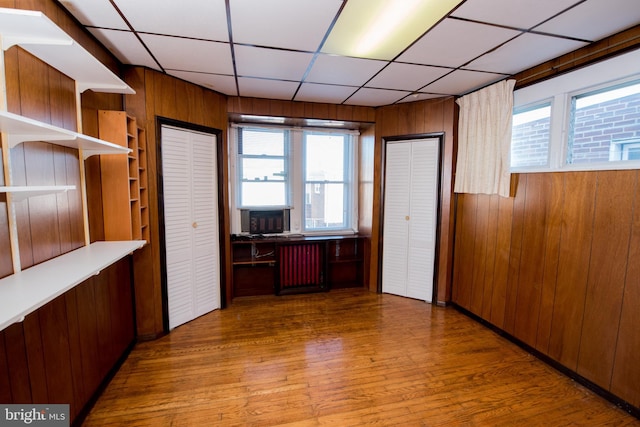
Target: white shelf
point(24, 292)
point(23, 192)
point(21, 129)
point(37, 34)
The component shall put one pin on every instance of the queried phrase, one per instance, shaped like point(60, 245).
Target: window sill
point(587, 167)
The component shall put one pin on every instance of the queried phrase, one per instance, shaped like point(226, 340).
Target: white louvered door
point(190, 195)
point(410, 217)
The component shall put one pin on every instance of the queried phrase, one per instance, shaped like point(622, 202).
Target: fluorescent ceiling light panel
point(381, 29)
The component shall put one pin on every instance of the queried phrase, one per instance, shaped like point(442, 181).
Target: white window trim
point(560, 90)
point(296, 198)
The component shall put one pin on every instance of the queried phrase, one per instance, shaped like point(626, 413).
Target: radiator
point(300, 266)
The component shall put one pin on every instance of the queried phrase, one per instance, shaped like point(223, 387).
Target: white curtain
point(484, 140)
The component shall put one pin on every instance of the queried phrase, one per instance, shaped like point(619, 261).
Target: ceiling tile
point(453, 43)
point(202, 19)
point(595, 19)
point(367, 97)
point(97, 13)
point(324, 93)
point(125, 46)
point(190, 55)
point(292, 24)
point(343, 70)
point(524, 52)
point(272, 89)
point(271, 63)
point(219, 83)
point(462, 81)
point(406, 76)
point(522, 14)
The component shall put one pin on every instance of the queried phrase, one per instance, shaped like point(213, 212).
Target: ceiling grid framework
point(274, 48)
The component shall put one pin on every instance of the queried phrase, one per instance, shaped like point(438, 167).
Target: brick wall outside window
point(596, 126)
point(530, 143)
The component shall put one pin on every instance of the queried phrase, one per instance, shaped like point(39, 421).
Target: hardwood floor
point(344, 358)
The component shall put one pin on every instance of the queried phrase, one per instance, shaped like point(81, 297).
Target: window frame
point(296, 193)
point(347, 181)
point(239, 175)
point(532, 107)
point(616, 71)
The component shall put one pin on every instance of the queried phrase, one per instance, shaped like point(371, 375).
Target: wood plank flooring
point(344, 358)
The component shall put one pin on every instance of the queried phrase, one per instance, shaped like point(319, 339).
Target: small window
point(604, 125)
point(263, 167)
point(530, 136)
point(327, 180)
point(624, 150)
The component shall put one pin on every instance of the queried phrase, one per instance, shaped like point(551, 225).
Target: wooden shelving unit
point(124, 180)
point(26, 290)
point(34, 32)
point(143, 184)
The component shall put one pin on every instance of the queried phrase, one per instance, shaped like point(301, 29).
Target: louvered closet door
point(191, 223)
point(410, 218)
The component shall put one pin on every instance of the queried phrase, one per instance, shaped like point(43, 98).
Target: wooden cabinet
point(345, 259)
point(254, 271)
point(295, 265)
point(124, 180)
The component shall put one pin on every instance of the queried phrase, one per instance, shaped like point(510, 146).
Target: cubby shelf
point(37, 34)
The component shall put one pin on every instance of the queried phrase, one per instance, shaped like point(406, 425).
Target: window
point(593, 118)
point(263, 157)
point(327, 167)
point(309, 171)
point(530, 136)
point(604, 125)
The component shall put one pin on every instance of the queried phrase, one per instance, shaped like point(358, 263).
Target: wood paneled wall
point(302, 110)
point(557, 267)
point(159, 95)
point(62, 352)
point(413, 118)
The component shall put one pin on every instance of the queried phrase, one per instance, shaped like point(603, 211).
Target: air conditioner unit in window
point(264, 221)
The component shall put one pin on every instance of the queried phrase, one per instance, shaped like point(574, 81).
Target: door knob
point(194, 225)
point(406, 218)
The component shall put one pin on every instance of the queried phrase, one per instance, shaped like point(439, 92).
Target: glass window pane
point(324, 206)
point(263, 194)
point(530, 137)
point(263, 169)
point(632, 152)
point(604, 125)
point(270, 142)
point(324, 158)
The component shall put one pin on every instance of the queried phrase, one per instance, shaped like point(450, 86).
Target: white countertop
point(24, 292)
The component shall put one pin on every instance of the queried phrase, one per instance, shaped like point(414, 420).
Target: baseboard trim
point(606, 394)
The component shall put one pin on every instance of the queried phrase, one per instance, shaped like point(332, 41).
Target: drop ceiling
point(273, 48)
